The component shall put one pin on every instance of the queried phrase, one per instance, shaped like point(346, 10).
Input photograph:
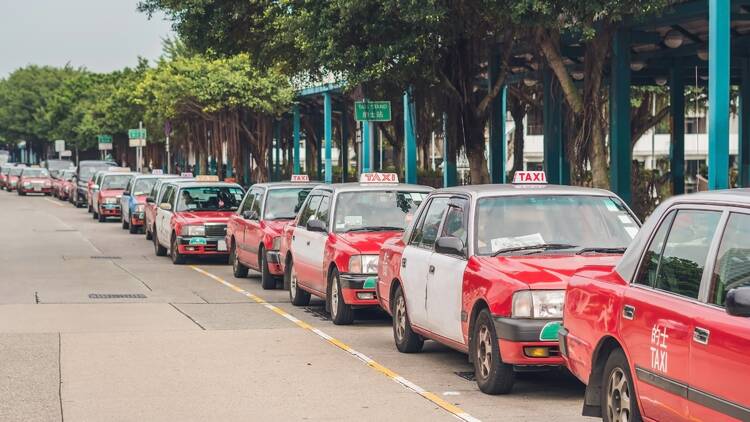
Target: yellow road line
point(435, 399)
point(58, 203)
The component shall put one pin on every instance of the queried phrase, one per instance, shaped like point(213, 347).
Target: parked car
point(34, 180)
point(133, 201)
point(84, 173)
point(13, 175)
point(108, 192)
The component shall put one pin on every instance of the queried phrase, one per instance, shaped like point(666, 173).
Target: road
point(193, 343)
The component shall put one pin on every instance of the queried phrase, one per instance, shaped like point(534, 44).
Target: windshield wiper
point(374, 229)
point(601, 250)
point(542, 246)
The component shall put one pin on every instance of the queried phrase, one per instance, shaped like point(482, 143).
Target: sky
point(100, 35)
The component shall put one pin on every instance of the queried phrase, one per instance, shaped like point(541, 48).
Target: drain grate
point(65, 230)
point(469, 376)
point(117, 296)
point(106, 257)
point(318, 312)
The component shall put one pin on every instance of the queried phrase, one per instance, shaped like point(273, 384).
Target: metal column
point(718, 94)
point(743, 159)
point(344, 144)
point(410, 139)
point(619, 117)
point(276, 149)
point(295, 130)
point(449, 160)
point(327, 134)
point(553, 136)
point(677, 114)
point(498, 144)
point(366, 147)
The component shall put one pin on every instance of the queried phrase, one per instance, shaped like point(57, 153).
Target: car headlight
point(194, 230)
point(110, 201)
point(140, 207)
point(27, 184)
point(543, 304)
point(47, 184)
point(276, 243)
point(363, 264)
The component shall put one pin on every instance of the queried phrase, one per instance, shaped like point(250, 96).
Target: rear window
point(34, 172)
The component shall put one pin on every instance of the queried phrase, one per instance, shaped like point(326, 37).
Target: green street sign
point(137, 134)
point(372, 111)
point(104, 139)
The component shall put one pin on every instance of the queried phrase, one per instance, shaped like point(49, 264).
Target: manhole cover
point(469, 376)
point(117, 296)
point(65, 230)
point(106, 257)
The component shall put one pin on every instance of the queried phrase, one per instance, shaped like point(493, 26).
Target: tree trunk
point(518, 112)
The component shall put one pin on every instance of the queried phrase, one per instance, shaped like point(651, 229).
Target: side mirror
point(316, 226)
point(166, 206)
point(449, 245)
point(150, 200)
point(126, 193)
point(94, 186)
point(738, 302)
point(250, 215)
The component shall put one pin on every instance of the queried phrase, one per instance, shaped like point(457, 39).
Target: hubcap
point(484, 351)
point(400, 318)
point(292, 283)
point(618, 396)
point(334, 297)
point(235, 260)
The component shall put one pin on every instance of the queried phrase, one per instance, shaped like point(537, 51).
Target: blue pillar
point(497, 152)
point(366, 148)
point(410, 139)
point(327, 134)
point(276, 148)
point(619, 117)
point(344, 144)
point(295, 129)
point(553, 136)
point(718, 94)
point(319, 134)
point(677, 113)
point(743, 159)
point(449, 158)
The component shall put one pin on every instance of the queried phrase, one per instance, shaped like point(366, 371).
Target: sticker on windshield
point(632, 231)
point(515, 242)
point(353, 220)
point(610, 204)
point(625, 219)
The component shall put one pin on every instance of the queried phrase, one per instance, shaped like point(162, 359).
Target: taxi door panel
point(444, 288)
point(415, 262)
point(303, 255)
point(253, 232)
point(163, 218)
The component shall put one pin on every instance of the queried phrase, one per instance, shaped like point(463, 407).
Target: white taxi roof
point(195, 184)
point(491, 190)
point(287, 184)
point(355, 186)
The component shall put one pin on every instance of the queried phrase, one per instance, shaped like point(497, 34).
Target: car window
point(732, 268)
point(309, 210)
point(209, 198)
point(168, 195)
point(324, 210)
point(115, 181)
point(427, 231)
point(257, 201)
point(650, 263)
point(129, 187)
point(141, 186)
point(283, 204)
point(247, 202)
point(456, 221)
point(685, 252)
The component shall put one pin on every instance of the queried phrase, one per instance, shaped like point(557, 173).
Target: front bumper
point(529, 341)
point(196, 245)
point(137, 219)
point(358, 289)
point(32, 189)
point(108, 210)
point(273, 258)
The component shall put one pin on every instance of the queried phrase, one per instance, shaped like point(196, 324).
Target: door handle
point(308, 243)
point(403, 262)
point(432, 269)
point(628, 312)
point(700, 335)
point(293, 237)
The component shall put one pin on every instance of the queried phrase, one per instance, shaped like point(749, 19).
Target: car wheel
point(298, 296)
point(493, 376)
point(132, 229)
point(174, 251)
point(159, 250)
point(341, 312)
point(267, 280)
point(619, 403)
point(91, 209)
point(149, 234)
point(407, 341)
point(100, 217)
point(125, 223)
point(238, 270)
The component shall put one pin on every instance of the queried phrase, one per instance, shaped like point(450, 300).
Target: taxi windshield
point(511, 223)
point(143, 186)
point(283, 204)
point(373, 210)
point(115, 181)
point(31, 172)
point(210, 198)
point(16, 171)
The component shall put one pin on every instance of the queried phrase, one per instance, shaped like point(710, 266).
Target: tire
point(297, 296)
point(91, 209)
point(618, 400)
point(149, 234)
point(101, 217)
point(267, 280)
point(125, 223)
point(493, 376)
point(132, 229)
point(341, 312)
point(407, 341)
point(159, 250)
point(238, 269)
point(174, 252)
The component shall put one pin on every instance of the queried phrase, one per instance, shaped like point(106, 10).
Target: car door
point(301, 240)
point(719, 366)
point(415, 260)
point(253, 231)
point(236, 226)
point(445, 275)
point(317, 246)
point(656, 321)
point(164, 217)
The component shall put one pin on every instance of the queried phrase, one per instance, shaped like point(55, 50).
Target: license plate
point(198, 241)
point(37, 188)
point(221, 245)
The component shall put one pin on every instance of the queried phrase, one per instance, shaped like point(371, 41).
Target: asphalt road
point(193, 343)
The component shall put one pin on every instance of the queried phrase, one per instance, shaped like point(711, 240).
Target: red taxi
point(254, 232)
point(4, 171)
point(483, 270)
point(14, 174)
point(665, 335)
point(34, 180)
point(154, 198)
point(62, 184)
point(109, 190)
point(331, 249)
point(192, 217)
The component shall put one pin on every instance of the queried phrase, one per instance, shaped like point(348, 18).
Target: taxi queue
point(518, 276)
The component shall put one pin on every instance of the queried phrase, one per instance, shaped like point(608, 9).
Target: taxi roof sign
point(186, 174)
point(119, 169)
point(378, 178)
point(206, 178)
point(300, 178)
point(529, 177)
point(157, 172)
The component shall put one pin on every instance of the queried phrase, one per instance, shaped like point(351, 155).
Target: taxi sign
point(186, 174)
point(529, 177)
point(157, 172)
point(300, 178)
point(206, 178)
point(378, 178)
point(119, 169)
